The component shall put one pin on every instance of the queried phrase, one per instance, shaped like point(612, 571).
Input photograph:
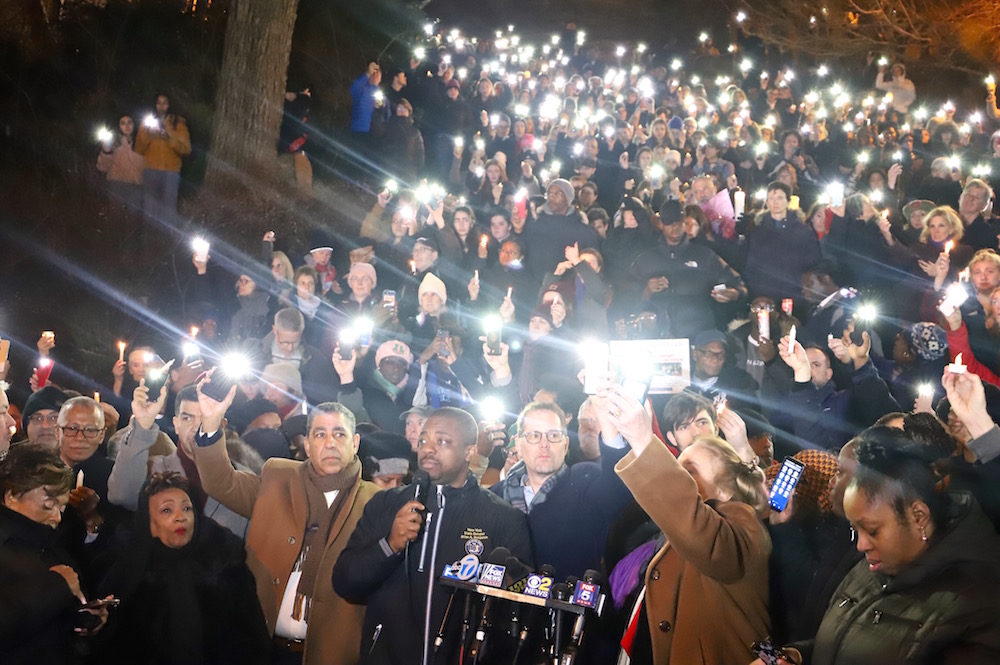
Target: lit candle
point(44, 371)
point(793, 202)
point(739, 202)
point(956, 367)
point(991, 83)
point(485, 240)
point(194, 331)
point(963, 276)
point(948, 246)
point(764, 324)
point(79, 479)
point(475, 275)
point(121, 352)
point(97, 397)
point(413, 267)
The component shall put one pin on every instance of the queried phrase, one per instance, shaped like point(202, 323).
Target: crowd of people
point(823, 243)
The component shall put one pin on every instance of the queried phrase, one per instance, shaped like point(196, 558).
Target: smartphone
point(860, 326)
point(388, 299)
point(444, 336)
point(493, 338)
point(766, 652)
point(103, 602)
point(156, 378)
point(218, 387)
point(788, 477)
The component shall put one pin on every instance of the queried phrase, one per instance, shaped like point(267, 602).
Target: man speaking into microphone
point(396, 555)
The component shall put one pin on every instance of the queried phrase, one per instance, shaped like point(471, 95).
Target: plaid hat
point(813, 490)
point(929, 340)
point(919, 205)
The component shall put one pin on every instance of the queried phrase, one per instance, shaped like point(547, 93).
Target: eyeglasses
point(552, 436)
point(38, 418)
point(88, 432)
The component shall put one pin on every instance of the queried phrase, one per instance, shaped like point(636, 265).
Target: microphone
point(421, 490)
point(421, 486)
point(560, 591)
point(479, 640)
point(534, 584)
point(586, 593)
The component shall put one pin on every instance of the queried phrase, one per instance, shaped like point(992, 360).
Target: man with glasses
point(284, 345)
point(40, 417)
point(301, 516)
point(88, 527)
point(389, 559)
point(713, 378)
point(570, 508)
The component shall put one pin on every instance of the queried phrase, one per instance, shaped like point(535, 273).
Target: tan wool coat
point(276, 505)
point(706, 589)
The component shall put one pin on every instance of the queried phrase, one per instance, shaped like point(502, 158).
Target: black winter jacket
point(475, 521)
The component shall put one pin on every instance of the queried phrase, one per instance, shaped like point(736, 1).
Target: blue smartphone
point(788, 477)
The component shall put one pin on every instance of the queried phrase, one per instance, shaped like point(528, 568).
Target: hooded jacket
point(941, 608)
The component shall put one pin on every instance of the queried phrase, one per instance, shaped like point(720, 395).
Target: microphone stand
point(430, 577)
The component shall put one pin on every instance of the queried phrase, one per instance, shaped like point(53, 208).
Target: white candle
point(305, 408)
point(957, 367)
point(791, 339)
point(121, 352)
point(764, 324)
point(739, 202)
point(510, 290)
point(79, 479)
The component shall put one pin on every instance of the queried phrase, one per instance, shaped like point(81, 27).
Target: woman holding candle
point(122, 165)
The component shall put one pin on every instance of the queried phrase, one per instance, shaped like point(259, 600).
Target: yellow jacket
point(165, 154)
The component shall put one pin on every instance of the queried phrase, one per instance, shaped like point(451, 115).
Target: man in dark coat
point(382, 564)
point(558, 226)
point(685, 278)
point(547, 490)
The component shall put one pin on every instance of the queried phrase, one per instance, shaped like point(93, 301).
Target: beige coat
point(275, 502)
point(706, 589)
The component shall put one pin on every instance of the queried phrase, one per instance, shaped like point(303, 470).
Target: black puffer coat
point(942, 608)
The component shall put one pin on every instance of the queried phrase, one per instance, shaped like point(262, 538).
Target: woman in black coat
point(40, 594)
point(187, 596)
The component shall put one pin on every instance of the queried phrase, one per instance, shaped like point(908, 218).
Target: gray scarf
point(512, 489)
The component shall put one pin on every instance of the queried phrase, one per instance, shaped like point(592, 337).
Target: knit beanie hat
point(284, 373)
point(48, 397)
point(433, 283)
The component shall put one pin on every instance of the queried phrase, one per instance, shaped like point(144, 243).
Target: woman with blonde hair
point(701, 595)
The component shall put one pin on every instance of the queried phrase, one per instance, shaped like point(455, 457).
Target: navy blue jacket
point(569, 529)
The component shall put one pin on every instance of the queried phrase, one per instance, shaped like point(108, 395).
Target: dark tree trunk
point(251, 90)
